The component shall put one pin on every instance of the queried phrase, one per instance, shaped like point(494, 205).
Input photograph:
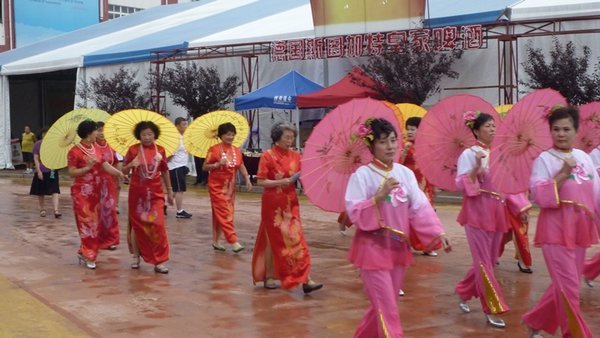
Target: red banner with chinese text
point(374, 44)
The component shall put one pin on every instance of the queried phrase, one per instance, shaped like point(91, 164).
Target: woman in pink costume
point(591, 267)
point(384, 201)
point(483, 215)
point(565, 185)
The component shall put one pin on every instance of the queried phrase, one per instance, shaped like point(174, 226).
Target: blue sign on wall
point(37, 20)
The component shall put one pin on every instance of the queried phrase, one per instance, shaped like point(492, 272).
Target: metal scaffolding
point(506, 33)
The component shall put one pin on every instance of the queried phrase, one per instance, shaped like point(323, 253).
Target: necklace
point(91, 152)
point(110, 151)
point(225, 155)
point(145, 170)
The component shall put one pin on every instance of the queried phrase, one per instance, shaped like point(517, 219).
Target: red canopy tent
point(340, 92)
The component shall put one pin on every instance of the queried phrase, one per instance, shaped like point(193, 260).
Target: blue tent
point(280, 94)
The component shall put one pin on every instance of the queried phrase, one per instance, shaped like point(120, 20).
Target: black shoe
point(183, 214)
point(524, 270)
point(308, 288)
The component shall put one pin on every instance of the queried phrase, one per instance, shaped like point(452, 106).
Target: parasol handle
point(396, 231)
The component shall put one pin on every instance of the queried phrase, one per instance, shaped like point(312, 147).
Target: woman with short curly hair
point(85, 164)
point(147, 233)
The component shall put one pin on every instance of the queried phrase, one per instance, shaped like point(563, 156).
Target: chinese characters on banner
point(373, 44)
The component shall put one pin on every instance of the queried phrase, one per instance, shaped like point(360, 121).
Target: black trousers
point(201, 175)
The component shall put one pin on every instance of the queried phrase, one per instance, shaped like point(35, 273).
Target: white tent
point(134, 38)
point(546, 9)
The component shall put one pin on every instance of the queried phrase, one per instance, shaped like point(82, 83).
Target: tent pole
point(297, 129)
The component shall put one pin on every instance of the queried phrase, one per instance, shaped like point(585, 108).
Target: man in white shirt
point(178, 170)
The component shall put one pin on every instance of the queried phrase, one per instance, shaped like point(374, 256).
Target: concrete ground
point(46, 293)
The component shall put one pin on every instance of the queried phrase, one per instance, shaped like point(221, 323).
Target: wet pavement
point(210, 294)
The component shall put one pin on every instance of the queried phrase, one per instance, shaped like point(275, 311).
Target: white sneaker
point(534, 333)
point(401, 293)
point(463, 306)
point(494, 321)
point(90, 265)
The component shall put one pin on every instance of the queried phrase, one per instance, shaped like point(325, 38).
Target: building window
point(115, 11)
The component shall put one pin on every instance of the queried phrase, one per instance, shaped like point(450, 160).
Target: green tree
point(411, 76)
point(115, 93)
point(565, 72)
point(198, 89)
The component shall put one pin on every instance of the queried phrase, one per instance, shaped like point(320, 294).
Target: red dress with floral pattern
point(146, 203)
point(108, 230)
point(86, 198)
point(221, 187)
point(280, 225)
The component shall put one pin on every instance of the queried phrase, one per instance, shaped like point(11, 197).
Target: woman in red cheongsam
point(280, 251)
point(85, 165)
point(147, 234)
point(109, 221)
point(222, 162)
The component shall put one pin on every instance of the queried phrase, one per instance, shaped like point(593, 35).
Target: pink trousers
point(382, 318)
point(559, 306)
point(480, 281)
point(591, 267)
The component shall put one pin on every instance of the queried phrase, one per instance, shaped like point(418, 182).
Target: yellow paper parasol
point(62, 136)
point(503, 109)
point(399, 116)
point(119, 130)
point(202, 133)
point(410, 110)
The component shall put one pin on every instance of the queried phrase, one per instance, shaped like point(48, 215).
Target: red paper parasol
point(588, 134)
point(443, 136)
point(523, 135)
point(333, 152)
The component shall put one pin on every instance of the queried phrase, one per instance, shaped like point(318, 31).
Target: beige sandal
point(269, 283)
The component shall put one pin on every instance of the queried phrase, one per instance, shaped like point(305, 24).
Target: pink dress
point(484, 217)
point(383, 255)
point(566, 227)
point(591, 267)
